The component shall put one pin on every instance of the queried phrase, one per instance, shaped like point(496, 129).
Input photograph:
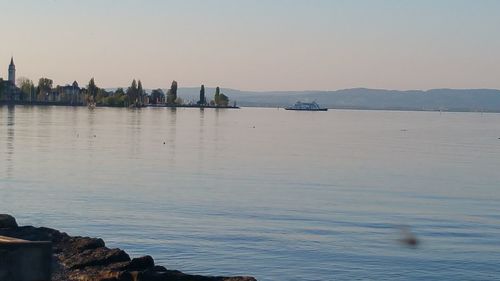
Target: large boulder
point(7, 221)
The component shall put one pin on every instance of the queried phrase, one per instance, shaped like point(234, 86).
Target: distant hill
point(486, 100)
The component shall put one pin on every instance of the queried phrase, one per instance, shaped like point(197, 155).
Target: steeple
point(12, 71)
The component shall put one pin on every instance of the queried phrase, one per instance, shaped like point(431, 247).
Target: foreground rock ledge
point(88, 259)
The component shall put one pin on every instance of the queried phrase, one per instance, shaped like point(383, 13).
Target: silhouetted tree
point(217, 96)
point(44, 87)
point(140, 93)
point(27, 88)
point(119, 92)
point(172, 93)
point(92, 90)
point(203, 99)
point(223, 100)
point(157, 96)
point(132, 92)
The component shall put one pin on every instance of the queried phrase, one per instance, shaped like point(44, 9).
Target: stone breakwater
point(88, 259)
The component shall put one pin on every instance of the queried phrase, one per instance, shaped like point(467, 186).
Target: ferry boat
point(306, 106)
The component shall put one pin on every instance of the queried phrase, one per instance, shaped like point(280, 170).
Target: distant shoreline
point(40, 103)
point(193, 106)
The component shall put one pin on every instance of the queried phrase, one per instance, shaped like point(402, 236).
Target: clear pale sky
point(256, 45)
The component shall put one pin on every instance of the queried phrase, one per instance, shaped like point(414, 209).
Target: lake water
point(276, 194)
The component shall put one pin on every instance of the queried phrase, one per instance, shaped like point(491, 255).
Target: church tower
point(12, 71)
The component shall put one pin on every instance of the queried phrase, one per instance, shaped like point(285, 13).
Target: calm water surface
point(276, 194)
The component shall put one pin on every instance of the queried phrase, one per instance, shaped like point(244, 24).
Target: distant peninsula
point(23, 91)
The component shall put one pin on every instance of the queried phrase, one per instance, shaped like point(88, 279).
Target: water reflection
point(91, 119)
point(135, 122)
point(216, 131)
point(10, 140)
point(172, 136)
point(201, 141)
point(315, 194)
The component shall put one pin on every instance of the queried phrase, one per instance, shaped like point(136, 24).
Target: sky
point(255, 44)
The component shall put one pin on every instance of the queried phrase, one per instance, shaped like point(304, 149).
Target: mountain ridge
point(440, 99)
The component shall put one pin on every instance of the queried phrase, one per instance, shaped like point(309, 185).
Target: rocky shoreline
point(88, 259)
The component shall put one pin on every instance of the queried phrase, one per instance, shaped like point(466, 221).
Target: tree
point(102, 95)
point(179, 101)
point(132, 93)
point(217, 96)
point(203, 99)
point(157, 96)
point(27, 88)
point(44, 87)
point(93, 90)
point(172, 93)
point(223, 100)
point(140, 93)
point(119, 92)
point(118, 98)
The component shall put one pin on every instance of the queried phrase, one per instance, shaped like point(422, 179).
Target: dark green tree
point(92, 90)
point(43, 89)
point(203, 99)
point(172, 93)
point(223, 100)
point(119, 92)
point(157, 96)
point(132, 93)
point(217, 96)
point(140, 93)
point(27, 87)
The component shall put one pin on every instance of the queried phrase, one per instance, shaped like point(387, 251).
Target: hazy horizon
point(256, 45)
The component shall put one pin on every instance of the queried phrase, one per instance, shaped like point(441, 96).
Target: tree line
point(133, 96)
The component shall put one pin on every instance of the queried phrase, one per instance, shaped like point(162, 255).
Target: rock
point(7, 221)
point(86, 243)
point(159, 268)
point(94, 257)
point(88, 259)
point(73, 245)
point(149, 275)
point(139, 264)
point(175, 275)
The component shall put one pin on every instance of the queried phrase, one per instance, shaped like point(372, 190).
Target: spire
point(12, 71)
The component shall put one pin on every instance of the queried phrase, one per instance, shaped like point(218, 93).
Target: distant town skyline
point(255, 45)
